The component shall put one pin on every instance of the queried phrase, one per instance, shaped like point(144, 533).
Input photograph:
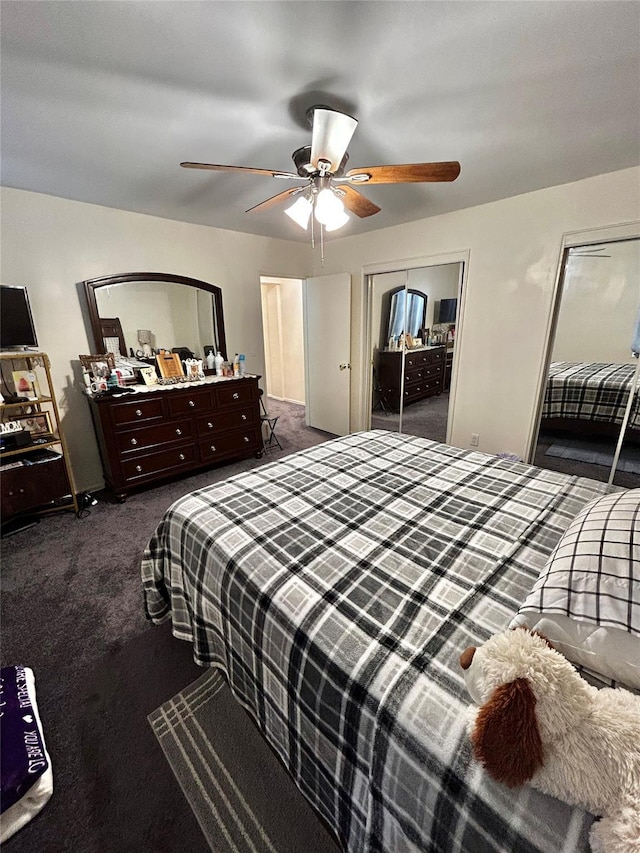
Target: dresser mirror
point(407, 312)
point(586, 401)
point(143, 311)
point(413, 320)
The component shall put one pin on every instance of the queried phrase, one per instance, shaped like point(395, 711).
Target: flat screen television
point(16, 322)
point(448, 310)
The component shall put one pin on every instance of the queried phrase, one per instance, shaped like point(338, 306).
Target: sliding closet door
point(592, 372)
point(411, 377)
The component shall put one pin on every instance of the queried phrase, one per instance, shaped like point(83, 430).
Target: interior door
point(327, 319)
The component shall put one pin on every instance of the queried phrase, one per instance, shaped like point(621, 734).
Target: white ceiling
point(101, 101)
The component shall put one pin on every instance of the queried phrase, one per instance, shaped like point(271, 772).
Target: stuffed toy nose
point(467, 656)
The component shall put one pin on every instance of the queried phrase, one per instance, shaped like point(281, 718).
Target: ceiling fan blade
point(275, 199)
point(218, 168)
point(331, 134)
point(356, 202)
point(408, 173)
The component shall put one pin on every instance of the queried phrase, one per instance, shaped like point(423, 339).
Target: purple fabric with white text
point(23, 755)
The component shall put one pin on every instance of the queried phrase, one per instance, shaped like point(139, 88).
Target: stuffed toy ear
point(506, 739)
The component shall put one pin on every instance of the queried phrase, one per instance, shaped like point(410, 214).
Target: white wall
point(50, 244)
point(600, 299)
point(514, 247)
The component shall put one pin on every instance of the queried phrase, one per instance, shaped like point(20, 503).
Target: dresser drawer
point(220, 421)
point(166, 433)
point(230, 443)
point(236, 394)
point(190, 403)
point(136, 411)
point(434, 356)
point(162, 462)
point(427, 371)
point(422, 389)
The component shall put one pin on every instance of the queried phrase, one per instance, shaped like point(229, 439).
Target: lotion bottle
point(210, 360)
point(219, 361)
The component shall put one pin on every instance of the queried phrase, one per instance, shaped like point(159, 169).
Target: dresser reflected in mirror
point(413, 325)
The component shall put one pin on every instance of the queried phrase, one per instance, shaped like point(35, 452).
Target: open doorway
point(283, 331)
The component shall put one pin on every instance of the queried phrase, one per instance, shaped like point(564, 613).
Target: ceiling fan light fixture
point(300, 211)
point(341, 218)
point(328, 208)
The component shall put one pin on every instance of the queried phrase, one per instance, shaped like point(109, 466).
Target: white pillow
point(587, 598)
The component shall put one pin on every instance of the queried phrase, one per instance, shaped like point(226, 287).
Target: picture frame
point(37, 423)
point(99, 365)
point(149, 375)
point(169, 364)
point(25, 384)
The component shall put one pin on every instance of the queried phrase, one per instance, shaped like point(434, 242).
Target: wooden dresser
point(148, 436)
point(423, 374)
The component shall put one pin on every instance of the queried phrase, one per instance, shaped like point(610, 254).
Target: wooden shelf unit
point(35, 479)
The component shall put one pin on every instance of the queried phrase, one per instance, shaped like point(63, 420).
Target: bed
point(336, 588)
point(590, 399)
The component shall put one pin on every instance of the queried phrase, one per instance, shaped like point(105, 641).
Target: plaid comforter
point(337, 588)
point(592, 392)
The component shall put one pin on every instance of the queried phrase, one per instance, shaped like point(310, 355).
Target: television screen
point(16, 323)
point(448, 310)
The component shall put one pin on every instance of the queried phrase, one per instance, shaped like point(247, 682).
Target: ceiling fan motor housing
point(302, 159)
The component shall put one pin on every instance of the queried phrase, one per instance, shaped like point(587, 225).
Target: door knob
point(344, 366)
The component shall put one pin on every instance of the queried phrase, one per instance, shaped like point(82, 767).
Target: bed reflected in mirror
point(590, 415)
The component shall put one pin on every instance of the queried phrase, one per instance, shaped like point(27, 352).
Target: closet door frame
point(570, 239)
point(404, 265)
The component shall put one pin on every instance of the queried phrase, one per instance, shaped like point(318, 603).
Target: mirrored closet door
point(413, 333)
point(590, 414)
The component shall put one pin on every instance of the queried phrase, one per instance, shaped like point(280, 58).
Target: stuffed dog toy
point(539, 721)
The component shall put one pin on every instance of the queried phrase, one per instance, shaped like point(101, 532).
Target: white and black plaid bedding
point(592, 392)
point(337, 588)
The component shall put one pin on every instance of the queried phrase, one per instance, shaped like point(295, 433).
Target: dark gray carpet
point(580, 468)
point(596, 453)
point(426, 418)
point(71, 608)
point(229, 775)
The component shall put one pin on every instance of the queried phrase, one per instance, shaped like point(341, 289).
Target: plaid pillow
point(587, 598)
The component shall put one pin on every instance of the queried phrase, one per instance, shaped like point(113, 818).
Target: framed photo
point(37, 423)
point(99, 365)
point(169, 364)
point(149, 375)
point(26, 384)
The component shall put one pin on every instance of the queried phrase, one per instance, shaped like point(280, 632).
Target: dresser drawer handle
point(139, 468)
point(181, 457)
point(236, 396)
point(134, 441)
point(139, 412)
point(244, 417)
point(178, 432)
point(191, 403)
point(209, 425)
point(247, 439)
point(213, 448)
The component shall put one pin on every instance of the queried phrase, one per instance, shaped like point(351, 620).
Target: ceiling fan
point(327, 189)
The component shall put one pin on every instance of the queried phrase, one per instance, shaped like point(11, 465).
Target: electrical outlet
point(475, 439)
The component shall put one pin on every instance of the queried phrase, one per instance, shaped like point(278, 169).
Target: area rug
point(243, 798)
point(597, 453)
